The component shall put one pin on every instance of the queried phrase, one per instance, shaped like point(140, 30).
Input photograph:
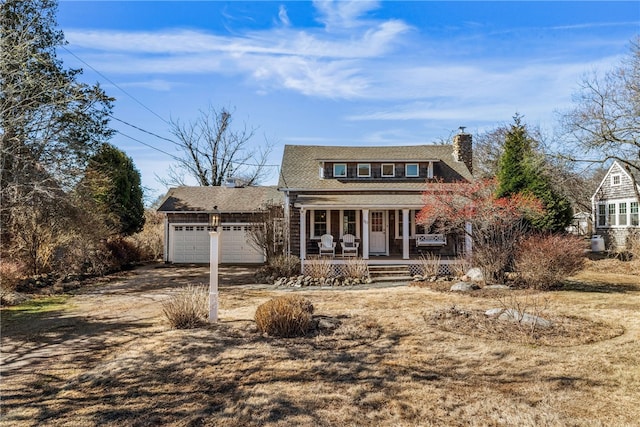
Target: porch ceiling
point(359, 201)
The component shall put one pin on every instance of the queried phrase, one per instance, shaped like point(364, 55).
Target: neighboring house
point(188, 211)
point(581, 225)
point(615, 206)
point(373, 193)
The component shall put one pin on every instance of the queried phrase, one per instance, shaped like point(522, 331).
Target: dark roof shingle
point(227, 199)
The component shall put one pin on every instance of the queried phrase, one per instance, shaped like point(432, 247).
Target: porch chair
point(349, 245)
point(326, 245)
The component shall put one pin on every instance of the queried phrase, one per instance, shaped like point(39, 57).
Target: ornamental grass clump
point(187, 309)
point(286, 316)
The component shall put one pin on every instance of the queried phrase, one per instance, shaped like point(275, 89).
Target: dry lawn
point(108, 357)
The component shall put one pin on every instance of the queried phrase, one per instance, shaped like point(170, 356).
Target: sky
point(337, 72)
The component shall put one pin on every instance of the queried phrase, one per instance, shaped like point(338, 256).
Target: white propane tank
point(597, 243)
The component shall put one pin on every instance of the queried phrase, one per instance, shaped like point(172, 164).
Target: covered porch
point(383, 225)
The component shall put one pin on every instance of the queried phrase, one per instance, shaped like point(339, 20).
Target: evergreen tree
point(521, 170)
point(113, 183)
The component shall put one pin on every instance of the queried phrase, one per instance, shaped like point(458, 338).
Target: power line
point(150, 146)
point(116, 85)
point(144, 130)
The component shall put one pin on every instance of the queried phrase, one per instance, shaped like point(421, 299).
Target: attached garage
point(190, 243)
point(188, 210)
point(235, 247)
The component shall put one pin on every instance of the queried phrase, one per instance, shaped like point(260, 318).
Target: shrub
point(125, 252)
point(460, 267)
point(284, 266)
point(356, 268)
point(542, 261)
point(149, 241)
point(319, 268)
point(10, 274)
point(429, 264)
point(286, 316)
point(188, 308)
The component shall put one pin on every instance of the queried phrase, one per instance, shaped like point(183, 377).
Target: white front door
point(378, 233)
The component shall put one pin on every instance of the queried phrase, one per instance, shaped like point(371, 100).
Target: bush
point(429, 264)
point(279, 266)
point(188, 308)
point(150, 240)
point(125, 252)
point(543, 261)
point(356, 268)
point(319, 268)
point(286, 316)
point(11, 272)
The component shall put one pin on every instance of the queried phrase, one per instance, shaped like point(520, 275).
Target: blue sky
point(338, 72)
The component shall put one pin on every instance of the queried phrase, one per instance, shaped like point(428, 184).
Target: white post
point(405, 233)
point(213, 278)
point(303, 235)
point(365, 234)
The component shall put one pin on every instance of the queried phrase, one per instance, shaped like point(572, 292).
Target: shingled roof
point(300, 165)
point(227, 199)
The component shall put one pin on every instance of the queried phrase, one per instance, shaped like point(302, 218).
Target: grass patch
point(36, 307)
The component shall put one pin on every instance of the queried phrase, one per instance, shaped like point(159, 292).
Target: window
point(388, 170)
point(615, 179)
point(611, 217)
point(411, 169)
point(364, 169)
point(339, 170)
point(349, 221)
point(602, 215)
point(633, 208)
point(622, 214)
point(319, 225)
point(400, 224)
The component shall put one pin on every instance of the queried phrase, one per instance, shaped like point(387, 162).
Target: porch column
point(303, 235)
point(405, 233)
point(365, 234)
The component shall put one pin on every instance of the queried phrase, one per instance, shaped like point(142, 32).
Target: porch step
point(386, 273)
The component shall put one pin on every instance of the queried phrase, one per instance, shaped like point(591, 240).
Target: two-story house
point(615, 206)
point(372, 193)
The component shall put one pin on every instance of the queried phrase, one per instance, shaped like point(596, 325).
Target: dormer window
point(339, 170)
point(616, 179)
point(388, 170)
point(364, 170)
point(412, 170)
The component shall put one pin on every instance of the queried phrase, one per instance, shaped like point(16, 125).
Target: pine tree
point(522, 171)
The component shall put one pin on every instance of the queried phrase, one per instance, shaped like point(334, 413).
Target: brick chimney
point(463, 148)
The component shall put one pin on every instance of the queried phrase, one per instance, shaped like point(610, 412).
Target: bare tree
point(214, 151)
point(268, 232)
point(605, 123)
point(49, 126)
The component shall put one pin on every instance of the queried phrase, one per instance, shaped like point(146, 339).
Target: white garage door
point(191, 244)
point(235, 246)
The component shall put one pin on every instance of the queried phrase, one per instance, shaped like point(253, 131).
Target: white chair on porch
point(349, 245)
point(326, 245)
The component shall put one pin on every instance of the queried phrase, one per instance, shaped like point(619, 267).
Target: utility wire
point(116, 85)
point(152, 112)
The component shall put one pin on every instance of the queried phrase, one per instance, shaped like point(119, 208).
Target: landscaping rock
point(464, 287)
point(475, 275)
point(514, 315)
point(497, 287)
